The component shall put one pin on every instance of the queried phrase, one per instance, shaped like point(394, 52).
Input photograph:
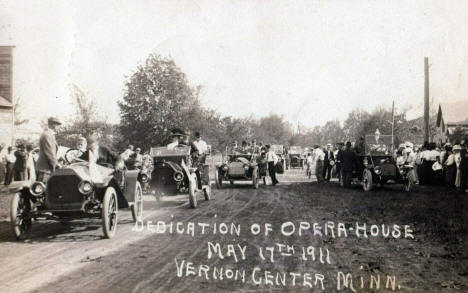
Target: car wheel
point(137, 207)
point(207, 192)
point(341, 179)
point(218, 179)
point(193, 193)
point(367, 180)
point(255, 178)
point(109, 212)
point(20, 218)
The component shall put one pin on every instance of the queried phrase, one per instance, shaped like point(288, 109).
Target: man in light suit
point(48, 147)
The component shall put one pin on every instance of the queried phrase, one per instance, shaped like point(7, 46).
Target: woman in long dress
point(30, 164)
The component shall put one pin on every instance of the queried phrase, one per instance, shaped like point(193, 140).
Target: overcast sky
point(310, 61)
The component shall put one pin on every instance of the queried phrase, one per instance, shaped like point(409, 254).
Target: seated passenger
point(178, 137)
point(99, 154)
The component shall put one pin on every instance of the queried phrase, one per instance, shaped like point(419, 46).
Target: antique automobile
point(78, 190)
point(376, 166)
point(296, 157)
point(280, 152)
point(238, 166)
point(174, 172)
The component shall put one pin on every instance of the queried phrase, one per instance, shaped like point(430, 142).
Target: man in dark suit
point(327, 167)
point(348, 160)
point(48, 147)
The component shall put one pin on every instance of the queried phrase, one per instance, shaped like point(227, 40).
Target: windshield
point(277, 148)
point(295, 150)
point(181, 150)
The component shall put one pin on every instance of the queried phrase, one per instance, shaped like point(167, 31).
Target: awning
point(5, 103)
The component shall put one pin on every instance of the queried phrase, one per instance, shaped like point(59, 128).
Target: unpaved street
point(75, 257)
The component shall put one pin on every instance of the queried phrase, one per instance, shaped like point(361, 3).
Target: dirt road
point(75, 258)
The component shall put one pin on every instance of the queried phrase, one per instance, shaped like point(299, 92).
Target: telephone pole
point(393, 125)
point(426, 99)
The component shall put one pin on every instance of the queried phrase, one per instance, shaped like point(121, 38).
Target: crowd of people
point(18, 164)
point(432, 164)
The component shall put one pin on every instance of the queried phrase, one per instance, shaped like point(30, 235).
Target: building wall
point(6, 92)
point(6, 72)
point(6, 126)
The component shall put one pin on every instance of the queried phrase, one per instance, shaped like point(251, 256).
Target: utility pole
point(426, 99)
point(393, 124)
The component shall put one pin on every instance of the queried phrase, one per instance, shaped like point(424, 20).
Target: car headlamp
point(246, 167)
point(85, 187)
point(225, 168)
point(377, 170)
point(144, 178)
point(37, 188)
point(178, 176)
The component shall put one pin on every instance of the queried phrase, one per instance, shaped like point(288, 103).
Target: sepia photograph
point(233, 146)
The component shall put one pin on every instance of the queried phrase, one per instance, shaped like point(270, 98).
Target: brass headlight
point(85, 187)
point(144, 178)
point(37, 188)
point(178, 176)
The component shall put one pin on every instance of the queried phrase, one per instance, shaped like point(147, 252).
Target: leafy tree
point(18, 112)
point(85, 122)
point(157, 98)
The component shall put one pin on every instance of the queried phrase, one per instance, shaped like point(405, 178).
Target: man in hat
point(125, 155)
point(328, 162)
point(138, 158)
point(200, 145)
point(272, 160)
point(48, 147)
point(337, 154)
point(348, 159)
point(176, 138)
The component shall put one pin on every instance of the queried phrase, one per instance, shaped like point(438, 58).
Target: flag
point(439, 117)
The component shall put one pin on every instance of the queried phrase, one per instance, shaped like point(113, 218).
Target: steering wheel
point(71, 156)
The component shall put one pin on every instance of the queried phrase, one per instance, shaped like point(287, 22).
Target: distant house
point(6, 95)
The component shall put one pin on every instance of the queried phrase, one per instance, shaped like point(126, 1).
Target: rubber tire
point(21, 232)
point(207, 192)
point(137, 206)
point(193, 194)
point(218, 180)
point(367, 180)
point(110, 197)
point(255, 178)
